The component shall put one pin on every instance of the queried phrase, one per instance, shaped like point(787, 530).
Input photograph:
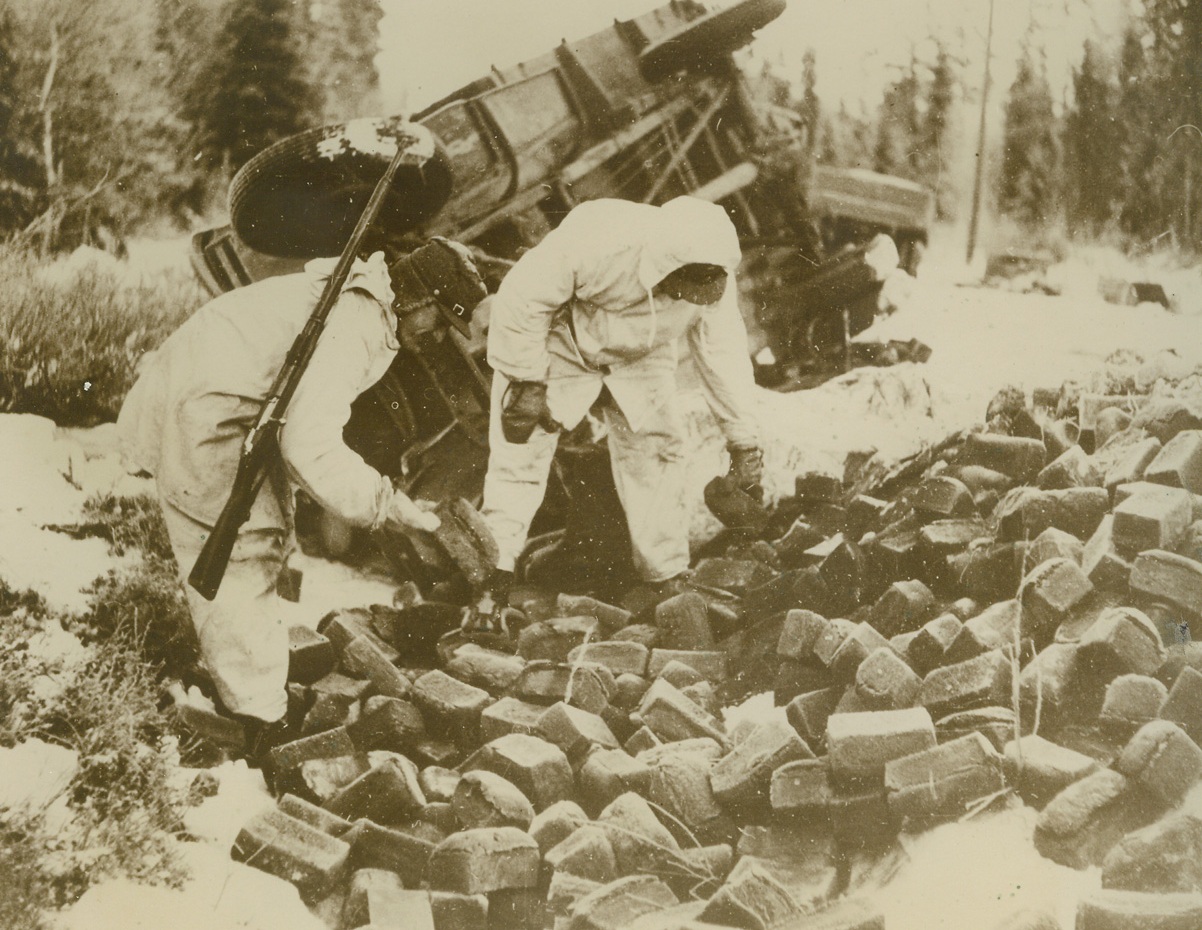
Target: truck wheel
point(708, 38)
point(302, 196)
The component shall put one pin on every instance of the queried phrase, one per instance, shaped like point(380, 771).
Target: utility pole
point(979, 180)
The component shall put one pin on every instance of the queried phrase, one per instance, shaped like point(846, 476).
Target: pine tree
point(1030, 163)
point(935, 140)
point(1140, 115)
point(1092, 172)
point(340, 39)
point(253, 93)
point(19, 176)
point(186, 36)
point(846, 139)
point(1173, 73)
point(898, 127)
point(810, 107)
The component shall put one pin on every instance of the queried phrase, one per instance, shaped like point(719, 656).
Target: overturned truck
point(647, 110)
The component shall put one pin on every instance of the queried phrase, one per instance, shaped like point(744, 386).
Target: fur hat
point(442, 270)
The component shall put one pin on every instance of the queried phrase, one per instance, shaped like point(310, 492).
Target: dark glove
point(491, 614)
point(747, 470)
point(524, 407)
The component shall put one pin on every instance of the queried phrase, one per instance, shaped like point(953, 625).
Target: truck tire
point(708, 39)
point(301, 196)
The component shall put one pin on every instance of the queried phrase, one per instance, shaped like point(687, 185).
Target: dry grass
point(21, 616)
point(25, 886)
point(69, 348)
point(121, 808)
point(125, 807)
point(129, 524)
point(143, 606)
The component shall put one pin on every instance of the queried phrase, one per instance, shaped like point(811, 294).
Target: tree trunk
point(50, 229)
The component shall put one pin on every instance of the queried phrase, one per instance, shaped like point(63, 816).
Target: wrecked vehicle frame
point(649, 109)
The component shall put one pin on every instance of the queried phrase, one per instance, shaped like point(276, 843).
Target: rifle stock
point(214, 557)
point(262, 441)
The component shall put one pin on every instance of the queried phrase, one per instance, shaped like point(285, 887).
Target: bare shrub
point(129, 524)
point(145, 607)
point(126, 809)
point(22, 614)
point(122, 809)
point(25, 886)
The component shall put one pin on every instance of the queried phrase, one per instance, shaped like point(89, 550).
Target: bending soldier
point(197, 396)
point(597, 311)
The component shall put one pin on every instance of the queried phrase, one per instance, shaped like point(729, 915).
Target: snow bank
point(33, 774)
point(970, 874)
point(241, 794)
point(35, 472)
point(54, 646)
point(85, 260)
point(981, 341)
point(161, 256)
point(42, 483)
point(984, 339)
point(148, 260)
point(1088, 270)
point(221, 895)
point(51, 564)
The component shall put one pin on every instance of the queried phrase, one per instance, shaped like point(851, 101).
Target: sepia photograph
point(600, 465)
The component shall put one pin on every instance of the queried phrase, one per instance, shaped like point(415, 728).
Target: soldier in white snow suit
point(197, 396)
point(606, 303)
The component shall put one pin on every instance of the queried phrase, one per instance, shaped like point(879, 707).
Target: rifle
point(262, 442)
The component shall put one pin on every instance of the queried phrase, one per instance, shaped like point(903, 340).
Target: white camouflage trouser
point(648, 469)
point(243, 631)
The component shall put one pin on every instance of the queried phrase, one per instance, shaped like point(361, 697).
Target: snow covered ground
point(981, 339)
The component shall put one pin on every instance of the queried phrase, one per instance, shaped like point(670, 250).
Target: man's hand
point(747, 470)
point(524, 407)
point(403, 514)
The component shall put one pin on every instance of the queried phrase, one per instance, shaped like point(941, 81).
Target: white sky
point(431, 48)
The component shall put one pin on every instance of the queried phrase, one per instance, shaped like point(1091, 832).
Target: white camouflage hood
point(686, 231)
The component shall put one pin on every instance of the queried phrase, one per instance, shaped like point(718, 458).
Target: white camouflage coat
point(577, 312)
point(184, 422)
point(199, 393)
